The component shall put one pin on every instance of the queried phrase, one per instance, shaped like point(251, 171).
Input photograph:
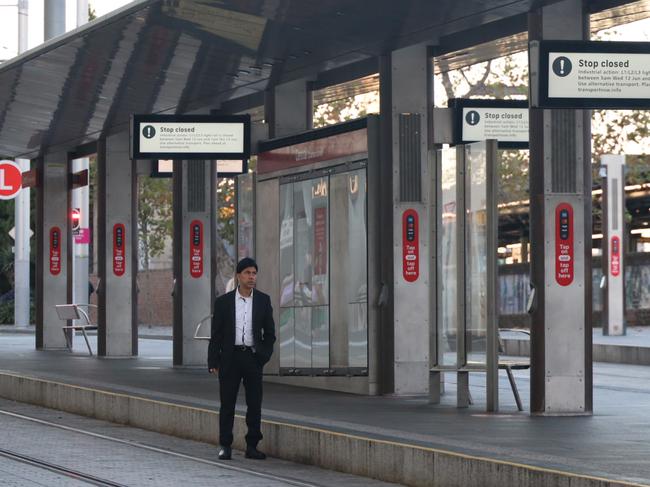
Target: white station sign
point(582, 74)
point(598, 75)
point(190, 137)
point(225, 168)
point(167, 138)
point(503, 124)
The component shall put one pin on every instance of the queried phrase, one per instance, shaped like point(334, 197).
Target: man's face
point(248, 277)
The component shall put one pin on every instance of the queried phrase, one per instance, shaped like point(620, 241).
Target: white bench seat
point(79, 313)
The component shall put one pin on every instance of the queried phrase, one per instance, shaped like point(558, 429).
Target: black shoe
point(254, 454)
point(225, 453)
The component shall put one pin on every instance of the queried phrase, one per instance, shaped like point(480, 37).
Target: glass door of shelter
point(324, 272)
point(466, 325)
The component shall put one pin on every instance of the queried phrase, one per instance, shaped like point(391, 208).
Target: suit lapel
point(233, 313)
point(253, 318)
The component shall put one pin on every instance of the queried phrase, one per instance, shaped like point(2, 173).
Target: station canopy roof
point(176, 56)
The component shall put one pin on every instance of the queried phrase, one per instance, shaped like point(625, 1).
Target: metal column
point(117, 248)
point(411, 95)
point(53, 248)
point(194, 257)
point(22, 252)
point(22, 298)
point(614, 244)
point(560, 208)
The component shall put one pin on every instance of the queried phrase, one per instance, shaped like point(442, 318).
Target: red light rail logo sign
point(564, 244)
point(55, 251)
point(615, 256)
point(410, 246)
point(11, 180)
point(196, 248)
point(119, 249)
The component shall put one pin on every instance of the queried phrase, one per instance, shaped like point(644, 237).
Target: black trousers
point(244, 367)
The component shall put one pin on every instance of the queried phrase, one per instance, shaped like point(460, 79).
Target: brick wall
point(155, 305)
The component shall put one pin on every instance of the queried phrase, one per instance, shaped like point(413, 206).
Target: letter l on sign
point(10, 180)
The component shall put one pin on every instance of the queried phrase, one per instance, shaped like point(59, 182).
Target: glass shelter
point(314, 234)
point(466, 330)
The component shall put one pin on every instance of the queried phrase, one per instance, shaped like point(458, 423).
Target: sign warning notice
point(503, 120)
point(502, 124)
point(190, 137)
point(594, 74)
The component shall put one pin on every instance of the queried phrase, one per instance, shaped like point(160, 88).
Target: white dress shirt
point(243, 319)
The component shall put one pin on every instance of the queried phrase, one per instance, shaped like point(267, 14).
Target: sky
point(9, 21)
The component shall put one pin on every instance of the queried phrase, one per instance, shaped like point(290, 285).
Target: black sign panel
point(191, 137)
point(503, 120)
point(583, 74)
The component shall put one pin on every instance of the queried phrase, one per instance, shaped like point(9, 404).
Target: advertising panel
point(332, 143)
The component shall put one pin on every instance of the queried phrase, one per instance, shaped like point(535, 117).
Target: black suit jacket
point(222, 341)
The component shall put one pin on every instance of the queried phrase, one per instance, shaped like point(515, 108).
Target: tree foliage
point(155, 223)
point(226, 209)
point(345, 109)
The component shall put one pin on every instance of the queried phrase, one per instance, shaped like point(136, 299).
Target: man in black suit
point(243, 333)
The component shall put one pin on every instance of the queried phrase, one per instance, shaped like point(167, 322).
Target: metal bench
point(67, 312)
point(507, 364)
point(199, 325)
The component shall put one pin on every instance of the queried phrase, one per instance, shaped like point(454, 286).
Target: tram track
point(98, 481)
point(58, 469)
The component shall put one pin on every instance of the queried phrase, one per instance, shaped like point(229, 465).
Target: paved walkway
point(613, 443)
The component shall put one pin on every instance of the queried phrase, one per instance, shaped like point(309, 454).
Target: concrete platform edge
point(384, 460)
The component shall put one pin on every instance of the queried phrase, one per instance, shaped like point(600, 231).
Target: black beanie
point(245, 263)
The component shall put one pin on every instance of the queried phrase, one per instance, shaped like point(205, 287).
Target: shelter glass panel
point(287, 338)
point(320, 337)
point(322, 328)
point(311, 242)
point(447, 342)
point(476, 251)
point(286, 245)
point(348, 309)
point(303, 337)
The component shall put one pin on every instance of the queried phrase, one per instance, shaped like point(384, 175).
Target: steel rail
point(223, 465)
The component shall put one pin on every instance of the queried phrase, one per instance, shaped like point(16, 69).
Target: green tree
point(154, 217)
point(344, 109)
point(501, 78)
point(6, 244)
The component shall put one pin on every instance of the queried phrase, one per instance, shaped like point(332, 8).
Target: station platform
point(631, 348)
point(395, 439)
